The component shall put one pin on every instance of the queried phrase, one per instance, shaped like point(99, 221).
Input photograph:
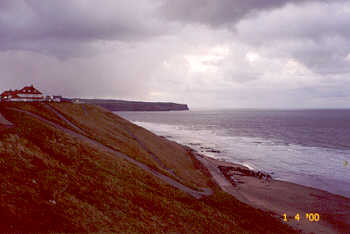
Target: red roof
point(25, 90)
point(29, 90)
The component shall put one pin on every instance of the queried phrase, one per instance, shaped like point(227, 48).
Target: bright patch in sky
point(294, 68)
point(252, 57)
point(207, 61)
point(157, 94)
point(196, 63)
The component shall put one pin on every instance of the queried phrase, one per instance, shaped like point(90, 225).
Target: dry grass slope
point(52, 181)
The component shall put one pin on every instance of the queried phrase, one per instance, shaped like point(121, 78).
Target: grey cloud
point(316, 35)
point(58, 26)
point(324, 58)
point(223, 12)
point(244, 77)
point(312, 21)
point(314, 32)
point(98, 76)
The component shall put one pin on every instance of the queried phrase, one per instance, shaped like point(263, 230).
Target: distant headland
point(121, 105)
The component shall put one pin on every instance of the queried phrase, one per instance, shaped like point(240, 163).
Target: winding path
point(84, 109)
point(142, 145)
point(172, 182)
point(72, 125)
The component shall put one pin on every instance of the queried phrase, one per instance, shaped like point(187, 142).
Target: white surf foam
point(310, 166)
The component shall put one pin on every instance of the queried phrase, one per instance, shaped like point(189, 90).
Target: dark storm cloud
point(62, 27)
point(221, 12)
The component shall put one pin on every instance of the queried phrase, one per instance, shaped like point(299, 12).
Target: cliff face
point(120, 105)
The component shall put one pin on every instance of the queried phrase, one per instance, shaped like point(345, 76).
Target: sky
point(205, 53)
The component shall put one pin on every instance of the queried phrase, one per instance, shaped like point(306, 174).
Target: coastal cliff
point(120, 105)
point(68, 167)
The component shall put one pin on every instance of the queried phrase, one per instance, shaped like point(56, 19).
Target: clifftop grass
point(53, 181)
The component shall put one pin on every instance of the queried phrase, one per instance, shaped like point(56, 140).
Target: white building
point(27, 94)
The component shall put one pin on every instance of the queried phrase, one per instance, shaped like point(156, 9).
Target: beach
point(281, 197)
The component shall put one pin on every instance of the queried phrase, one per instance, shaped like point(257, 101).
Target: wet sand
point(280, 197)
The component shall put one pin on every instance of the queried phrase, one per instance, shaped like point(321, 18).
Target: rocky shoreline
point(231, 174)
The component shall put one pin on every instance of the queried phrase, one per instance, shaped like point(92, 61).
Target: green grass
point(114, 132)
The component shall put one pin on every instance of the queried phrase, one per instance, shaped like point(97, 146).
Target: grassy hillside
point(54, 179)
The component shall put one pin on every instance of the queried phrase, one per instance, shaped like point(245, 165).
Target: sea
point(307, 147)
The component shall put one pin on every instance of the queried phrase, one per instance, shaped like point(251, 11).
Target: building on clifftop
point(27, 94)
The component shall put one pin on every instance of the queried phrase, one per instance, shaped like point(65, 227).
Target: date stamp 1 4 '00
point(310, 217)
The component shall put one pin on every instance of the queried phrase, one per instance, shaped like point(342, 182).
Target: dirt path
point(64, 119)
point(84, 109)
point(172, 182)
point(143, 146)
point(220, 179)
